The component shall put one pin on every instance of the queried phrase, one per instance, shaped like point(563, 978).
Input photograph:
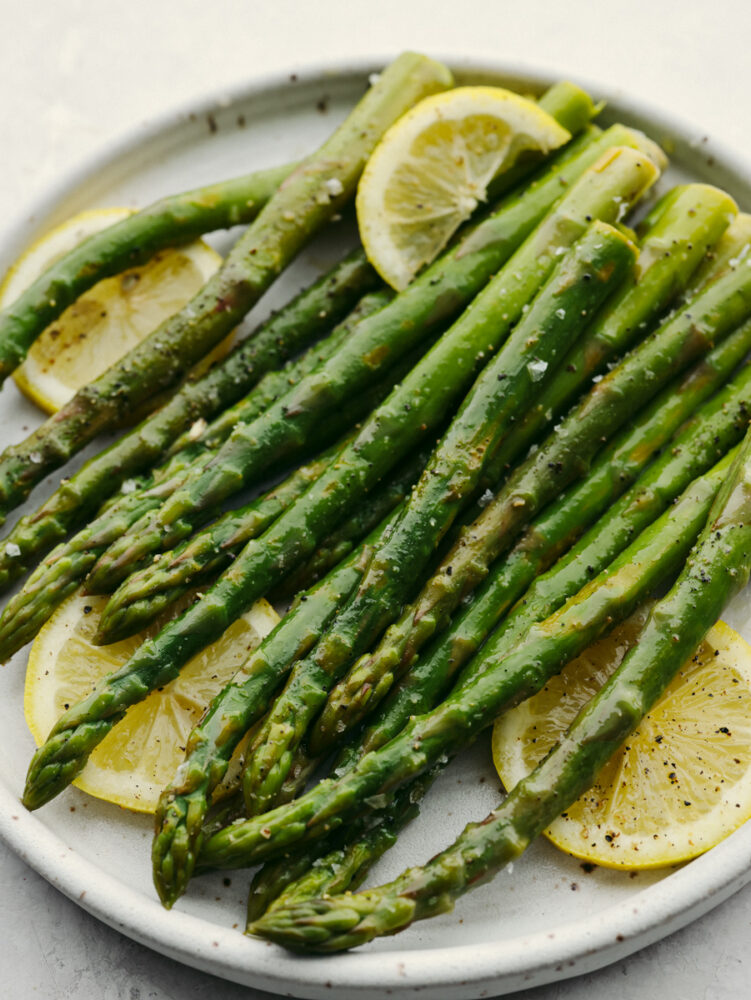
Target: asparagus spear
point(64, 569)
point(156, 581)
point(172, 870)
point(307, 200)
point(563, 456)
point(707, 435)
point(712, 429)
point(573, 109)
point(427, 739)
point(690, 223)
point(341, 541)
point(432, 299)
point(293, 328)
point(732, 247)
point(146, 594)
point(390, 433)
point(345, 867)
point(550, 534)
point(718, 567)
point(577, 287)
point(272, 387)
point(338, 863)
point(183, 805)
point(169, 222)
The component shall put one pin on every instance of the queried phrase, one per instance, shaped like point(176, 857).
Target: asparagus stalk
point(287, 332)
point(718, 568)
point(577, 287)
point(64, 569)
point(341, 541)
point(432, 299)
point(338, 863)
point(613, 471)
point(712, 428)
point(707, 435)
point(732, 247)
point(345, 867)
point(572, 108)
point(130, 609)
point(563, 456)
point(310, 196)
point(184, 803)
point(169, 222)
point(272, 387)
point(202, 558)
point(415, 406)
point(427, 739)
point(689, 225)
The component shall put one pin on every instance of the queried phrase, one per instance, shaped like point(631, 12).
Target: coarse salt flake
point(334, 186)
point(12, 550)
point(129, 486)
point(35, 457)
point(537, 369)
point(197, 428)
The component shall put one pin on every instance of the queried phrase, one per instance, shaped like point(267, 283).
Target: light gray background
point(76, 73)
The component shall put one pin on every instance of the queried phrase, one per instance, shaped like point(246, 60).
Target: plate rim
point(511, 964)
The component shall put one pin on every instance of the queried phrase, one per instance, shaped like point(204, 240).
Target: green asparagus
point(591, 270)
point(690, 225)
point(64, 569)
point(390, 433)
point(307, 198)
point(294, 327)
point(427, 739)
point(341, 541)
point(718, 567)
point(704, 438)
point(169, 222)
point(563, 457)
point(201, 559)
point(425, 393)
point(184, 803)
point(433, 298)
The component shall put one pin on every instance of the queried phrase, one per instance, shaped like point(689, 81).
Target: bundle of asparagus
point(448, 545)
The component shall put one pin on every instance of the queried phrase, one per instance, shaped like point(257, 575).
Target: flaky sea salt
point(334, 186)
point(197, 428)
point(537, 369)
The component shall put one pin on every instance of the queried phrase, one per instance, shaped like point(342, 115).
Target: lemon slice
point(108, 320)
point(142, 752)
point(683, 780)
point(432, 168)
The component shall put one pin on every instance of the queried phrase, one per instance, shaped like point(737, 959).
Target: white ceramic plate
point(543, 920)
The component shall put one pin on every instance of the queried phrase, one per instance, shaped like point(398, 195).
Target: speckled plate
point(544, 919)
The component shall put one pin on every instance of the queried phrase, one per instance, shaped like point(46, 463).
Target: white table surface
point(76, 73)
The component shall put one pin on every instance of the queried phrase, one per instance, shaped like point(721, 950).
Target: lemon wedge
point(432, 169)
point(140, 755)
point(108, 320)
point(681, 783)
